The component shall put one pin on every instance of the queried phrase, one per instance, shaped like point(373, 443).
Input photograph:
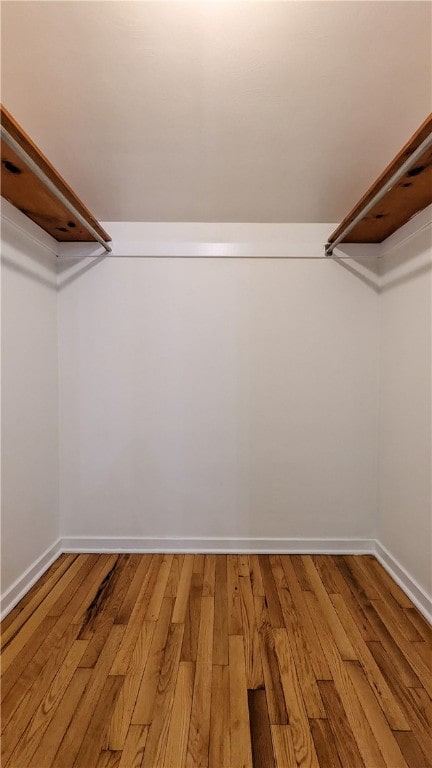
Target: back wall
point(218, 398)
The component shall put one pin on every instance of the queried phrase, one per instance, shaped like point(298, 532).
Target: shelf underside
point(21, 187)
point(410, 195)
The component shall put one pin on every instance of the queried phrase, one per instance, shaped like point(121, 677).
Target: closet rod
point(30, 163)
point(329, 247)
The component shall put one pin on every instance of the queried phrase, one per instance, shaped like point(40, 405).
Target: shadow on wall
point(39, 266)
point(68, 271)
point(407, 260)
point(38, 263)
point(404, 261)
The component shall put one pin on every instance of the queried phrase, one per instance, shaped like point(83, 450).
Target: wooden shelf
point(409, 196)
point(21, 187)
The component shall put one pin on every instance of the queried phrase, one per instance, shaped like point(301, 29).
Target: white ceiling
point(218, 111)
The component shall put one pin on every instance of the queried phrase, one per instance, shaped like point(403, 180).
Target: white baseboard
point(214, 545)
point(407, 583)
point(219, 545)
point(24, 583)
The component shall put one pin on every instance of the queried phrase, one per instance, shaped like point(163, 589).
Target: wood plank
point(134, 623)
point(60, 722)
point(144, 562)
point(341, 640)
point(299, 570)
point(96, 605)
point(325, 746)
point(379, 574)
point(313, 645)
point(353, 595)
point(254, 673)
point(298, 647)
point(198, 746)
point(58, 713)
point(108, 759)
point(9, 632)
point(183, 590)
point(17, 676)
point(176, 746)
point(410, 195)
point(387, 743)
point(45, 711)
point(400, 617)
point(373, 673)
point(103, 619)
point(95, 734)
point(342, 734)
point(424, 650)
point(411, 707)
point(192, 619)
point(158, 591)
point(220, 627)
point(262, 746)
point(89, 566)
point(132, 754)
point(272, 597)
point(174, 576)
point(24, 190)
point(71, 744)
point(241, 749)
point(400, 664)
point(33, 622)
point(220, 738)
point(360, 582)
point(422, 626)
point(31, 594)
point(273, 685)
point(414, 659)
point(144, 705)
point(156, 744)
point(121, 716)
point(36, 653)
point(103, 567)
point(354, 713)
point(199, 564)
point(304, 748)
point(199, 729)
point(255, 575)
point(423, 702)
point(209, 575)
point(16, 718)
point(283, 746)
point(410, 748)
point(235, 624)
point(328, 573)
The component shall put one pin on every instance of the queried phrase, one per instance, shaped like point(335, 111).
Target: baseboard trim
point(407, 583)
point(215, 545)
point(24, 583)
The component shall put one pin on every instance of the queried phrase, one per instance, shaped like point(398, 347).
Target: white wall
point(404, 522)
point(221, 397)
point(29, 401)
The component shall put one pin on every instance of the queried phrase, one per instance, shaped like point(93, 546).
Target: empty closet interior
point(216, 342)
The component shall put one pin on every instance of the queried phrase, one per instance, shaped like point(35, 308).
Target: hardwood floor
point(216, 661)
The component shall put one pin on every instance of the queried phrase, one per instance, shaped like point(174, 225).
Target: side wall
point(29, 404)
point(404, 521)
point(208, 398)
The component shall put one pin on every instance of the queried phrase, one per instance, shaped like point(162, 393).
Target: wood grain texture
point(25, 191)
point(411, 194)
point(208, 661)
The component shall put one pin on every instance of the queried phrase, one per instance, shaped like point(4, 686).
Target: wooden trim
point(26, 192)
point(409, 196)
